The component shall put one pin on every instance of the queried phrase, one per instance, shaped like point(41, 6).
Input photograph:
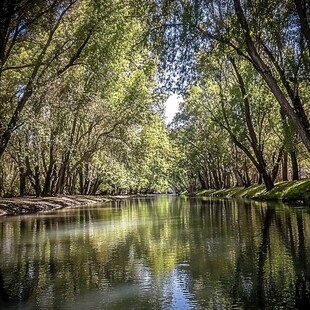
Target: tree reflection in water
point(158, 253)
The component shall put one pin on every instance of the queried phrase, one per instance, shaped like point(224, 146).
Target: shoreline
point(288, 192)
point(31, 205)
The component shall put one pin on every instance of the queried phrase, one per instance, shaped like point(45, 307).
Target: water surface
point(158, 253)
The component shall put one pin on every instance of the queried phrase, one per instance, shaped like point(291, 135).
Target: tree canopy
point(83, 86)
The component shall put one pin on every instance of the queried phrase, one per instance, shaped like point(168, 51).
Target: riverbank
point(30, 205)
point(288, 191)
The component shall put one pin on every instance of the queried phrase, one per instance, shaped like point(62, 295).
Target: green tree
point(268, 36)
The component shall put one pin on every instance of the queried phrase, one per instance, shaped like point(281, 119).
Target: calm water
point(158, 253)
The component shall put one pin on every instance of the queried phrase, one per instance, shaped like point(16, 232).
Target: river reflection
point(158, 253)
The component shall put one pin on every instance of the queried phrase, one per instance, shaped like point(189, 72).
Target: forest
point(83, 85)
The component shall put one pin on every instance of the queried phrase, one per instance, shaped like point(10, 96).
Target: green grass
point(184, 193)
point(252, 191)
point(205, 192)
point(286, 191)
point(290, 191)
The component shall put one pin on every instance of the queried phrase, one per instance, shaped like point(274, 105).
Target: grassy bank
point(289, 191)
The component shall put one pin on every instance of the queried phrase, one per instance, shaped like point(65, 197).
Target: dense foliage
point(244, 68)
point(83, 85)
point(79, 113)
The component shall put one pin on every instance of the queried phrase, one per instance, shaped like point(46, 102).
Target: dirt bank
point(29, 205)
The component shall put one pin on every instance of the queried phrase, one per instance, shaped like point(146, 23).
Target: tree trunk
point(215, 178)
point(34, 178)
point(247, 180)
point(227, 179)
point(95, 187)
point(72, 183)
point(37, 181)
point(206, 178)
point(302, 13)
point(211, 181)
point(81, 180)
point(284, 167)
point(48, 179)
point(202, 181)
point(267, 180)
point(260, 161)
point(276, 165)
point(294, 162)
point(54, 180)
point(238, 177)
point(22, 181)
point(260, 180)
point(298, 116)
point(60, 186)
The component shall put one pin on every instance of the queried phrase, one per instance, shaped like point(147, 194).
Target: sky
point(172, 105)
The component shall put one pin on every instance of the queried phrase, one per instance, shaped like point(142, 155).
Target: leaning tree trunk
point(297, 115)
point(239, 180)
point(260, 161)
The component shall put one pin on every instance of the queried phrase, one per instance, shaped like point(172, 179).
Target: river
point(160, 252)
